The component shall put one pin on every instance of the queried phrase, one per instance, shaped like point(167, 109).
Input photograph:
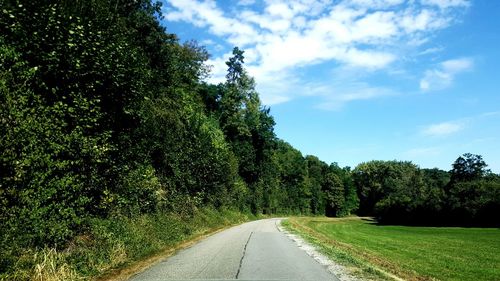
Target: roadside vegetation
point(116, 249)
point(109, 137)
point(114, 148)
point(378, 251)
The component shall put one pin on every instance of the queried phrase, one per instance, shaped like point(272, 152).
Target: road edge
point(136, 267)
point(336, 269)
point(356, 269)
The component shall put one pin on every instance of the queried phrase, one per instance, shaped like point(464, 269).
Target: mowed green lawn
point(444, 253)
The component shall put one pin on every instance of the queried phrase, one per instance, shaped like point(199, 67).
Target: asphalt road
point(252, 251)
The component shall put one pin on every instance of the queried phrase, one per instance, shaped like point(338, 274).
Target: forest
point(105, 114)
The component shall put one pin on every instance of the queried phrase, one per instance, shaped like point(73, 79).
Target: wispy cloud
point(431, 50)
point(444, 74)
point(335, 97)
point(281, 37)
point(444, 4)
point(454, 126)
point(490, 114)
point(443, 129)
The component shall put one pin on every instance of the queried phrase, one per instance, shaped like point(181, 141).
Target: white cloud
point(444, 74)
point(279, 10)
point(443, 129)
point(457, 65)
point(337, 101)
point(339, 92)
point(431, 50)
point(219, 69)
point(375, 3)
point(371, 59)
point(455, 126)
point(423, 21)
point(443, 4)
point(285, 36)
point(207, 42)
point(207, 14)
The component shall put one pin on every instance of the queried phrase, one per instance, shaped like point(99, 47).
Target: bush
point(113, 243)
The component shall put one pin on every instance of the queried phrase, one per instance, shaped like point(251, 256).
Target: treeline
point(104, 114)
point(402, 193)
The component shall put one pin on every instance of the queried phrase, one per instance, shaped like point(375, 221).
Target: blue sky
point(353, 81)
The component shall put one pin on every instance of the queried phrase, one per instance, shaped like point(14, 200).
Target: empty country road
point(255, 250)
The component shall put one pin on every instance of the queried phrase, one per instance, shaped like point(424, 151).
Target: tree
point(351, 200)
point(235, 66)
point(468, 167)
point(334, 195)
point(104, 113)
point(316, 171)
point(249, 128)
point(368, 178)
point(390, 190)
point(472, 194)
point(432, 209)
point(474, 203)
point(293, 178)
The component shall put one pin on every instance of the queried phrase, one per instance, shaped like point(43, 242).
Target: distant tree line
point(400, 192)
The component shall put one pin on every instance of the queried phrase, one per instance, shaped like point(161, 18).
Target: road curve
point(252, 251)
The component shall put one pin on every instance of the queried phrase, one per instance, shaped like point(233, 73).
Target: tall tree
point(316, 171)
point(334, 195)
point(468, 167)
point(388, 185)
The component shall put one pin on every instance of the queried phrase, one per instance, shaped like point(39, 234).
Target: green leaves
point(334, 194)
point(468, 167)
point(235, 69)
point(400, 192)
point(104, 113)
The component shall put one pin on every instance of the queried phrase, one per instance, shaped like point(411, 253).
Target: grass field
point(412, 253)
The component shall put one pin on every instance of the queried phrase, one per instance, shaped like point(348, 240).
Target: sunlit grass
point(444, 253)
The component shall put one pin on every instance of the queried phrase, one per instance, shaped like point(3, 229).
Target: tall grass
point(116, 243)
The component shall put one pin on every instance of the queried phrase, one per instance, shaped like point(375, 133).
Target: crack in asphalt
point(243, 256)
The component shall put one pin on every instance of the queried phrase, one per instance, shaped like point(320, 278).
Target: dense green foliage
point(412, 253)
point(400, 192)
point(104, 115)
